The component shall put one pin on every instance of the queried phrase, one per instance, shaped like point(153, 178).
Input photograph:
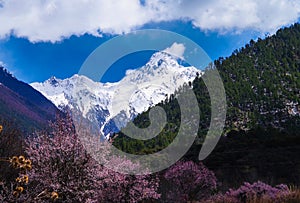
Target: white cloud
point(53, 20)
point(2, 64)
point(176, 49)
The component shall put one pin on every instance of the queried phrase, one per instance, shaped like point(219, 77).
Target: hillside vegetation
point(261, 138)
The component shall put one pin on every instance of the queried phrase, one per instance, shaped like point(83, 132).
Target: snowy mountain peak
point(112, 105)
point(161, 65)
point(159, 58)
point(53, 81)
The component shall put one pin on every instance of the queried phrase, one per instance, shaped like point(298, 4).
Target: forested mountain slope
point(261, 138)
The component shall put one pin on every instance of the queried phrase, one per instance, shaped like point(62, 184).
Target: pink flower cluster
point(252, 192)
point(256, 190)
point(189, 181)
point(61, 164)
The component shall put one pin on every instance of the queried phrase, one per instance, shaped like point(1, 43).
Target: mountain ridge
point(22, 104)
point(112, 105)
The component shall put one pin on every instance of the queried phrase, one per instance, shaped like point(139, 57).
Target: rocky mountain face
point(112, 105)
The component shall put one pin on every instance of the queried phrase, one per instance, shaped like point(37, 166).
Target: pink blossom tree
point(188, 181)
point(61, 164)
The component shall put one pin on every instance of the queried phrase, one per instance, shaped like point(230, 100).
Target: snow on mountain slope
point(112, 105)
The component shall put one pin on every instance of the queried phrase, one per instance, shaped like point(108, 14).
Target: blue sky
point(40, 39)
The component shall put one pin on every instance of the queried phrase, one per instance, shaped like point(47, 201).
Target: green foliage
point(266, 154)
point(260, 80)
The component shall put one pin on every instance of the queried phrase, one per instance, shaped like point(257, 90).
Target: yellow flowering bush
point(23, 164)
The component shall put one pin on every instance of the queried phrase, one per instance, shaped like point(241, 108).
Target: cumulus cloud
point(2, 64)
point(54, 20)
point(176, 49)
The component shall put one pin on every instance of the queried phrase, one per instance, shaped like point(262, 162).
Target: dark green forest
point(261, 138)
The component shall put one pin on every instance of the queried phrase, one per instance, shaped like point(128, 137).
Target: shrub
point(188, 181)
point(11, 143)
point(16, 191)
point(257, 192)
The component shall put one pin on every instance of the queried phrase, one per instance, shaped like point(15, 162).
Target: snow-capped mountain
point(112, 105)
